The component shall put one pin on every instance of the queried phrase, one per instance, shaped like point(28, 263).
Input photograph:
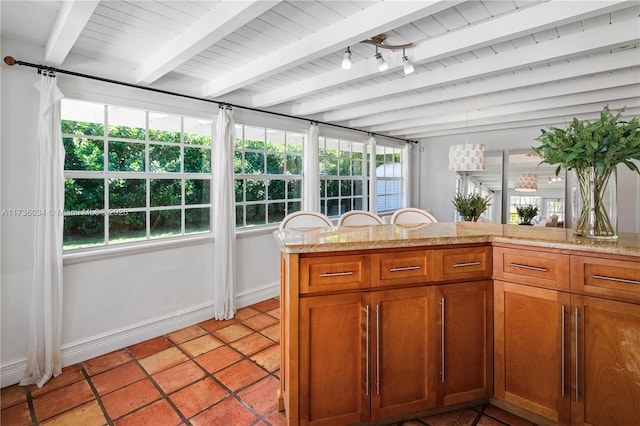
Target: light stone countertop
point(343, 238)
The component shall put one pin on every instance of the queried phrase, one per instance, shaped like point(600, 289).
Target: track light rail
point(380, 38)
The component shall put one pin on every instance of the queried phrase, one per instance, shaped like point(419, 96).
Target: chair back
point(410, 216)
point(305, 219)
point(359, 218)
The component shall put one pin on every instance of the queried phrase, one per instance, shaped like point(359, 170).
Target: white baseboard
point(82, 350)
point(257, 295)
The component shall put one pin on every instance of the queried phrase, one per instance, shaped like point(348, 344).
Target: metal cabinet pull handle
point(366, 382)
point(404, 268)
point(378, 349)
point(336, 274)
point(461, 265)
point(577, 353)
point(533, 268)
point(619, 280)
point(562, 337)
point(442, 313)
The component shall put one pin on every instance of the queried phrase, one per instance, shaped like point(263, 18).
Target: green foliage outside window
point(129, 214)
point(162, 178)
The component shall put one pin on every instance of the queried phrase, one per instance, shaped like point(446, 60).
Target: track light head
point(346, 59)
point(408, 67)
point(382, 64)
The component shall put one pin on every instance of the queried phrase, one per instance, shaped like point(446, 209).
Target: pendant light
point(466, 156)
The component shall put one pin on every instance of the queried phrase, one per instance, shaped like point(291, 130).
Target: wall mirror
point(485, 182)
point(532, 183)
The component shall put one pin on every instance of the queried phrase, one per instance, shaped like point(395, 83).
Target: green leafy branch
point(602, 144)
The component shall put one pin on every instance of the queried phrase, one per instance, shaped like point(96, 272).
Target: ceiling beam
point(219, 22)
point(543, 119)
point(528, 78)
point(577, 44)
point(530, 99)
point(71, 20)
point(530, 109)
point(376, 19)
point(536, 18)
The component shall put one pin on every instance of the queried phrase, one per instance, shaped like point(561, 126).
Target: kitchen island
point(382, 323)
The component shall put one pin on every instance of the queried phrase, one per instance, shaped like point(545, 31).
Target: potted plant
point(593, 150)
point(471, 207)
point(527, 213)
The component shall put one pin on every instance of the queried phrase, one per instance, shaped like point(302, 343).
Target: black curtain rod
point(9, 60)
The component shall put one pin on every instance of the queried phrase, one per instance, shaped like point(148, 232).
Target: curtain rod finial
point(9, 60)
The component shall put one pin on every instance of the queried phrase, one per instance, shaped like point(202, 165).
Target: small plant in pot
point(526, 213)
point(471, 207)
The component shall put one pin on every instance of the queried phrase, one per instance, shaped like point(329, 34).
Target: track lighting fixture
point(382, 64)
point(377, 41)
point(346, 59)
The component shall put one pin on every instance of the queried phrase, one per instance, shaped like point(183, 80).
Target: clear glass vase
point(595, 213)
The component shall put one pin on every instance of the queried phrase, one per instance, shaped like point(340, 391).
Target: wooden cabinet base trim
point(531, 406)
point(520, 412)
point(425, 413)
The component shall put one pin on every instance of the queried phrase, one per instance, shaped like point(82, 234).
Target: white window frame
point(106, 175)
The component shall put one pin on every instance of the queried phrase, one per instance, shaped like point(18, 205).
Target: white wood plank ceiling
point(480, 66)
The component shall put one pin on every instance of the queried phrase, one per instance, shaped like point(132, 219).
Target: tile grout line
point(85, 373)
point(211, 375)
point(163, 395)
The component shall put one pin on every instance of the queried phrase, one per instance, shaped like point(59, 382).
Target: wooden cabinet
point(401, 267)
point(466, 263)
point(606, 362)
point(333, 273)
point(567, 355)
point(611, 278)
point(531, 344)
point(362, 334)
point(532, 267)
point(403, 351)
point(334, 335)
point(465, 342)
point(367, 355)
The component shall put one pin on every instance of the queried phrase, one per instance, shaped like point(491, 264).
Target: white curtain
point(373, 196)
point(45, 316)
point(311, 167)
point(224, 218)
point(407, 168)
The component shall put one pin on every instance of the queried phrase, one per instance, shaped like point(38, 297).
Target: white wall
point(123, 298)
point(437, 184)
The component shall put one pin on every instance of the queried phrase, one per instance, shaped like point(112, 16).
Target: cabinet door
point(531, 341)
point(466, 342)
point(403, 368)
point(608, 362)
point(333, 359)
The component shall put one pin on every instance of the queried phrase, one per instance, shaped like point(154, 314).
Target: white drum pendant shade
point(466, 157)
point(526, 182)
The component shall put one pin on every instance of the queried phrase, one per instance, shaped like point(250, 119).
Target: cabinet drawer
point(606, 277)
point(334, 273)
point(402, 267)
point(463, 263)
point(544, 269)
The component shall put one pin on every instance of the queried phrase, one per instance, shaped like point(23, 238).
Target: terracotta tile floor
point(212, 373)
